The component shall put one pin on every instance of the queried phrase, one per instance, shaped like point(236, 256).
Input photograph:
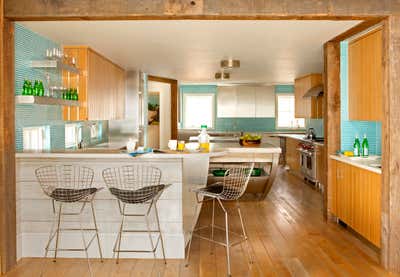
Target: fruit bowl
point(249, 142)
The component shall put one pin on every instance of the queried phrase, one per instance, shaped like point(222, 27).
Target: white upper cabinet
point(265, 101)
point(246, 101)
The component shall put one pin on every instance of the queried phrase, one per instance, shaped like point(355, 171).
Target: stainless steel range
point(308, 159)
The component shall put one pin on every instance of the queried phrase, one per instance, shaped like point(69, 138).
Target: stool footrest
point(140, 251)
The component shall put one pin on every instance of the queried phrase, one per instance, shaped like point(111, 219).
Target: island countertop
point(216, 150)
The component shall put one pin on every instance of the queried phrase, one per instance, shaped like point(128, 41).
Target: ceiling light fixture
point(222, 75)
point(230, 63)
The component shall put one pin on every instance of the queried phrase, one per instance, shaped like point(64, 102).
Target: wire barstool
point(231, 189)
point(136, 185)
point(66, 185)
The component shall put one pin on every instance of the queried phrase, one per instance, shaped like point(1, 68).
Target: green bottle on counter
point(365, 146)
point(356, 147)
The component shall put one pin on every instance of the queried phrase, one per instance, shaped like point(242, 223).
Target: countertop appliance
point(311, 134)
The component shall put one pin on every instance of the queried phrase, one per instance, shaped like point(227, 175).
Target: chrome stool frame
point(136, 185)
point(231, 189)
point(69, 184)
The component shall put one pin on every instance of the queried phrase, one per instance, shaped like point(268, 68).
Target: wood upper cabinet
point(101, 86)
point(365, 77)
point(356, 199)
point(309, 107)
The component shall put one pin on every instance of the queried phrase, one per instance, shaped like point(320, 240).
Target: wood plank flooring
point(287, 233)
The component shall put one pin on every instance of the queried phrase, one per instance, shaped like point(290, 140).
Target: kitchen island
point(176, 206)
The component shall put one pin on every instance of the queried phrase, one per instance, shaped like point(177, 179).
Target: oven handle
point(308, 153)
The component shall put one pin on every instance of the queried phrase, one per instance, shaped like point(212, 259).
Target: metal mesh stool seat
point(136, 185)
point(71, 195)
point(138, 196)
point(66, 185)
point(231, 189)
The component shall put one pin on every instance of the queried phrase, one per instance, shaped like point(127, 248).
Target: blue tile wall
point(32, 46)
point(266, 124)
point(349, 128)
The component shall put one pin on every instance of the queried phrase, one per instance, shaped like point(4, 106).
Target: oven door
point(306, 163)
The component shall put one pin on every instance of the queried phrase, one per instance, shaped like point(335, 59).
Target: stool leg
point(119, 238)
point(159, 229)
point(228, 258)
point(58, 232)
point(212, 226)
point(84, 243)
point(97, 230)
point(244, 234)
point(150, 238)
point(51, 236)
point(191, 235)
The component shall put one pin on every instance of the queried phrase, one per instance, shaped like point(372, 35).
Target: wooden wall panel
point(390, 241)
point(332, 114)
point(7, 147)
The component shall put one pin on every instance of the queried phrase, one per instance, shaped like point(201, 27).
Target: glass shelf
point(44, 100)
point(56, 64)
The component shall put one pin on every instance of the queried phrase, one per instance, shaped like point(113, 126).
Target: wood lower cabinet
point(320, 160)
point(292, 155)
point(309, 107)
point(101, 86)
point(356, 200)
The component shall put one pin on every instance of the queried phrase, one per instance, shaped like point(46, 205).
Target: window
point(198, 109)
point(285, 113)
point(36, 138)
point(73, 135)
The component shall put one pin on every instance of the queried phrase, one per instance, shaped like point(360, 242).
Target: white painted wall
point(165, 110)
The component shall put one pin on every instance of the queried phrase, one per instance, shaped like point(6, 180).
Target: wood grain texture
point(391, 146)
point(307, 107)
point(332, 116)
point(185, 9)
point(287, 235)
point(358, 200)
point(292, 155)
point(365, 77)
point(7, 146)
point(101, 86)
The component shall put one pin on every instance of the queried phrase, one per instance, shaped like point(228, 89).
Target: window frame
point(213, 109)
point(277, 113)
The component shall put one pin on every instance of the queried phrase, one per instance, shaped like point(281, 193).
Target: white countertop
point(298, 137)
point(364, 163)
point(217, 149)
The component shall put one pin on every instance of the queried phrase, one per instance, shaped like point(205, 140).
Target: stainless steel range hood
point(315, 91)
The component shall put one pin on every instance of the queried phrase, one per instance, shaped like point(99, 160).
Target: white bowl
point(192, 146)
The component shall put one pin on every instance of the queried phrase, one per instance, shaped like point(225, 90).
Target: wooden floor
point(288, 237)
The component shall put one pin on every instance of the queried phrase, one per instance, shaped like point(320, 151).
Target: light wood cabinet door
point(307, 107)
point(365, 77)
point(292, 155)
point(356, 200)
point(101, 87)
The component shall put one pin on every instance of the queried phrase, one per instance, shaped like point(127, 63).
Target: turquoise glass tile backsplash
point(349, 128)
point(32, 46)
point(265, 124)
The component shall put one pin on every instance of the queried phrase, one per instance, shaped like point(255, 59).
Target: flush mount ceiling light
point(222, 75)
point(231, 63)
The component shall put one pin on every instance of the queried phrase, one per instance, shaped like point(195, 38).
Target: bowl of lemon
point(250, 140)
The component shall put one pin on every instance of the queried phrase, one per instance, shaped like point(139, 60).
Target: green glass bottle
point(40, 89)
point(356, 147)
point(365, 146)
point(36, 88)
point(75, 95)
point(25, 88)
point(30, 88)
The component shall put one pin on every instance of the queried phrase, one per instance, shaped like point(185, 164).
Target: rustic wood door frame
point(174, 101)
point(216, 10)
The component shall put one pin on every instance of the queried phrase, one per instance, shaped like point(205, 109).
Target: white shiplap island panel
point(176, 205)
